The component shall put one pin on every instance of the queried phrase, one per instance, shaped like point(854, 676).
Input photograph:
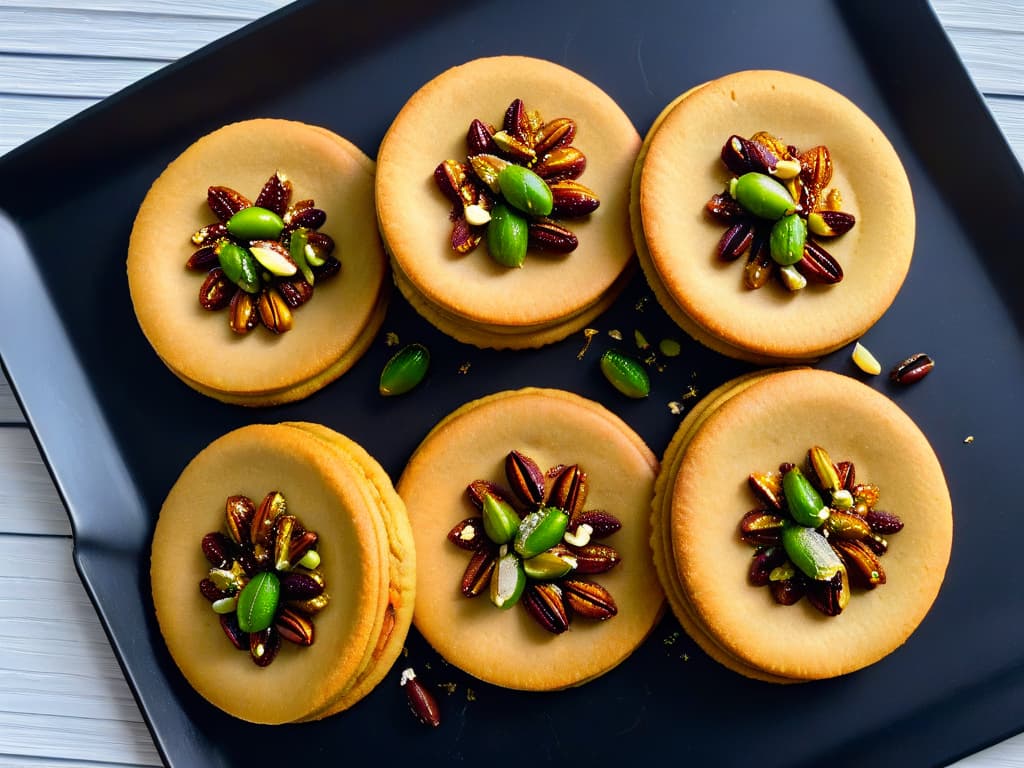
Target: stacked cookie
point(811, 158)
point(724, 551)
point(437, 188)
point(254, 264)
point(488, 482)
point(306, 571)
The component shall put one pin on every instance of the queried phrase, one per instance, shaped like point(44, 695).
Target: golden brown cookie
point(754, 424)
point(333, 488)
point(471, 296)
point(679, 170)
point(330, 331)
point(509, 647)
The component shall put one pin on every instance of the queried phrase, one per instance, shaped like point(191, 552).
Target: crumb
point(470, 694)
point(588, 334)
point(685, 657)
point(464, 368)
point(641, 305)
point(405, 653)
point(641, 341)
point(690, 393)
point(675, 408)
point(391, 339)
point(426, 664)
point(671, 639)
point(969, 439)
point(651, 359)
point(448, 688)
point(670, 347)
point(616, 334)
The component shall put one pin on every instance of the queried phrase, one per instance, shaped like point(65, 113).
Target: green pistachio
point(500, 520)
point(787, 240)
point(255, 223)
point(310, 560)
point(257, 603)
point(803, 502)
point(540, 530)
point(405, 370)
point(809, 551)
point(763, 196)
point(508, 580)
point(525, 190)
point(553, 564)
point(239, 266)
point(507, 236)
point(297, 249)
point(625, 374)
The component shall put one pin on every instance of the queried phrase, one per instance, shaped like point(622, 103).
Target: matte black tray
point(116, 427)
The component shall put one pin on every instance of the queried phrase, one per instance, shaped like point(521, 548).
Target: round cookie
point(753, 424)
point(330, 331)
point(508, 647)
point(679, 170)
point(366, 560)
point(471, 296)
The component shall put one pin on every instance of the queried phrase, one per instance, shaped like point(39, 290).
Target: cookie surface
point(330, 331)
point(330, 494)
point(414, 216)
point(758, 424)
point(680, 170)
point(508, 648)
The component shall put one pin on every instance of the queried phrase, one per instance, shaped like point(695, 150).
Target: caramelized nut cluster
point(261, 259)
point(774, 208)
point(532, 545)
point(817, 531)
point(264, 579)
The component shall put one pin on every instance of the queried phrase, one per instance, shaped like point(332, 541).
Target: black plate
point(116, 427)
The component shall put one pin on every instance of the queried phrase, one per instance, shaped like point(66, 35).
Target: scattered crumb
point(470, 694)
point(690, 393)
point(685, 657)
point(670, 347)
point(616, 334)
point(641, 340)
point(651, 359)
point(969, 439)
point(405, 654)
point(391, 339)
point(675, 408)
point(642, 304)
point(671, 639)
point(588, 334)
point(448, 688)
point(427, 665)
point(464, 368)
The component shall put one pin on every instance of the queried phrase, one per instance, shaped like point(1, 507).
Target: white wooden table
point(63, 699)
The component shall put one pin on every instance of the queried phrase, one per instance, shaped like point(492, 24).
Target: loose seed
point(625, 374)
point(864, 360)
point(912, 369)
point(404, 370)
point(421, 701)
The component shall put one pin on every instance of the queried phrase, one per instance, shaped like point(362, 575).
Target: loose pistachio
point(625, 374)
point(404, 370)
point(787, 240)
point(239, 266)
point(809, 551)
point(255, 223)
point(525, 190)
point(802, 500)
point(508, 580)
point(553, 564)
point(763, 196)
point(500, 520)
point(540, 530)
point(273, 257)
point(507, 236)
point(257, 602)
point(297, 250)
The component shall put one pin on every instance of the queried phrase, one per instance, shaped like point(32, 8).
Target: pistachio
point(487, 168)
point(255, 223)
point(786, 169)
point(242, 313)
point(468, 534)
point(561, 164)
point(596, 558)
point(404, 371)
point(238, 265)
point(823, 470)
point(830, 223)
point(300, 549)
point(258, 601)
point(553, 564)
point(625, 374)
point(525, 190)
point(479, 571)
point(544, 602)
point(310, 560)
point(862, 563)
point(767, 486)
point(588, 599)
point(273, 257)
point(477, 215)
point(264, 645)
point(802, 501)
point(508, 579)
point(225, 604)
point(914, 368)
point(568, 490)
point(539, 531)
point(782, 572)
point(513, 146)
point(225, 202)
point(297, 243)
point(225, 580)
point(809, 551)
point(842, 499)
point(239, 512)
point(787, 239)
point(764, 563)
point(760, 526)
point(507, 236)
point(500, 520)
point(846, 525)
point(525, 478)
point(554, 134)
point(866, 361)
point(763, 196)
point(319, 248)
point(421, 701)
point(760, 265)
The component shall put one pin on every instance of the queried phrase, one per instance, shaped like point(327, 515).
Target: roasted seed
point(846, 525)
point(238, 638)
point(823, 470)
point(516, 121)
point(767, 486)
point(830, 223)
point(602, 524)
point(302, 545)
point(865, 361)
point(239, 512)
point(211, 591)
point(572, 200)
point(568, 491)
point(759, 267)
point(513, 147)
point(545, 235)
point(264, 645)
point(284, 526)
point(209, 233)
point(242, 314)
point(476, 490)
point(773, 144)
point(310, 218)
point(468, 534)
point(625, 374)
point(830, 596)
point(311, 606)
point(556, 133)
point(422, 703)
point(553, 564)
point(544, 602)
point(404, 371)
point(736, 240)
point(596, 558)
point(477, 576)
point(465, 238)
point(261, 529)
point(866, 493)
point(274, 311)
point(216, 291)
point(276, 194)
point(884, 523)
point(296, 585)
point(321, 244)
point(818, 265)
point(743, 155)
point(525, 478)
point(588, 599)
point(562, 164)
point(764, 562)
point(862, 563)
point(487, 166)
point(815, 173)
point(725, 209)
point(225, 202)
point(478, 138)
point(847, 474)
point(217, 549)
point(760, 526)
point(294, 627)
point(912, 369)
point(203, 259)
point(295, 292)
point(789, 591)
point(877, 544)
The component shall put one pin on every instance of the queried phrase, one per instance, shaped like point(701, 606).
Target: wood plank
point(980, 14)
point(25, 117)
point(1009, 114)
point(62, 694)
point(992, 56)
point(29, 503)
point(224, 9)
point(35, 75)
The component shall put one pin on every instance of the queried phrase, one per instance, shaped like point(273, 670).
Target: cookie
point(679, 170)
point(332, 321)
point(554, 429)
point(470, 295)
point(364, 562)
point(753, 424)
